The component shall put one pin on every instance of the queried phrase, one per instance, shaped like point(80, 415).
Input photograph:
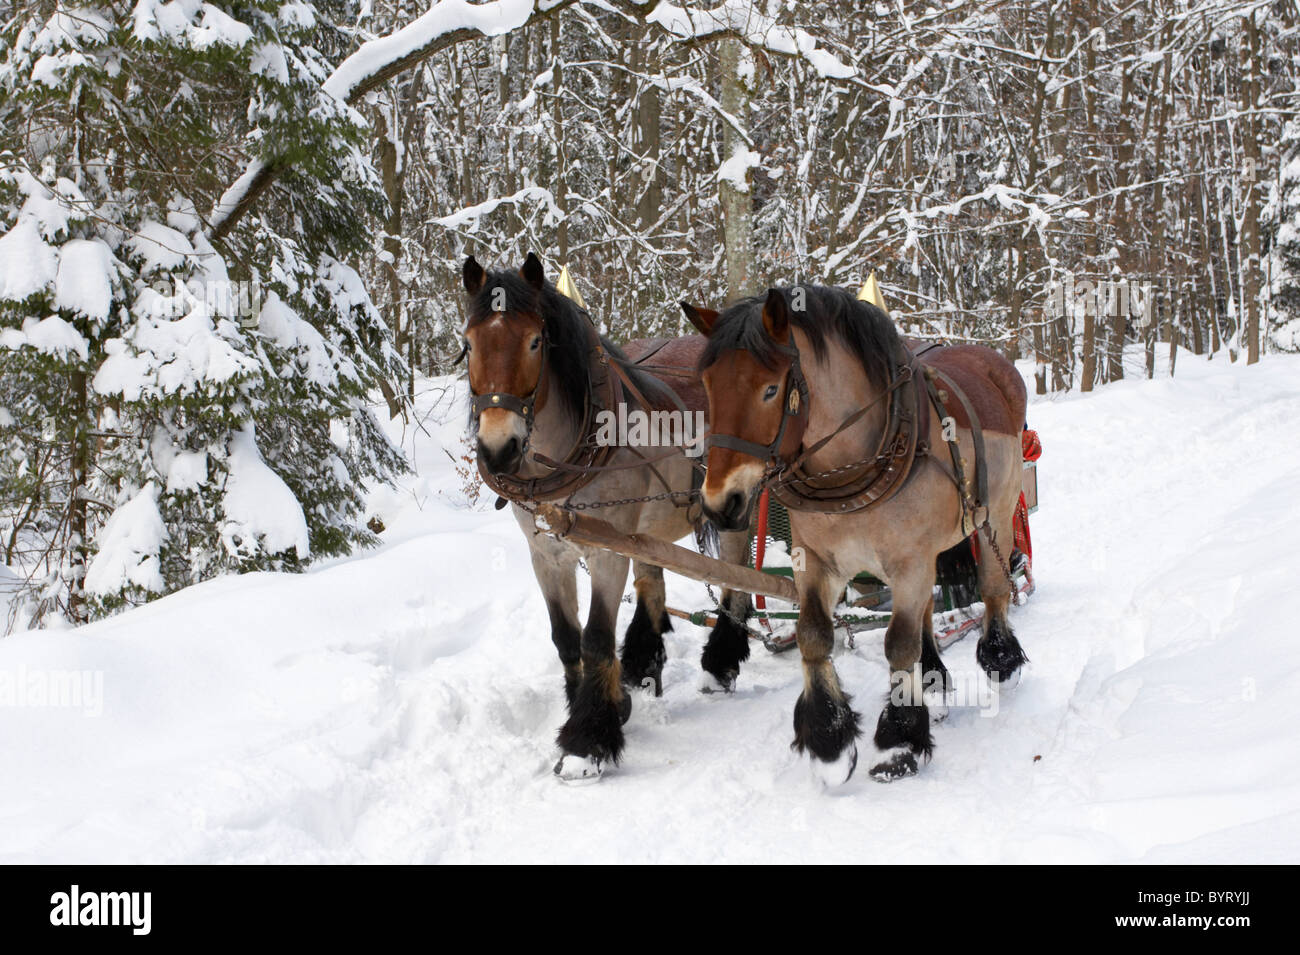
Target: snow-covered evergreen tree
point(173, 410)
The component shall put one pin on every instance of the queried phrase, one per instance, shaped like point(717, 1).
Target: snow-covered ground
point(402, 705)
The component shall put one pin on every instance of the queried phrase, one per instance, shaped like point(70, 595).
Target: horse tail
point(957, 570)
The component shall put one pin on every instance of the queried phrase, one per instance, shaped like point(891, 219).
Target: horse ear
point(776, 315)
point(473, 275)
point(533, 272)
point(702, 318)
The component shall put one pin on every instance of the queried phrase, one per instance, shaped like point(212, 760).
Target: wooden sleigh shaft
point(593, 532)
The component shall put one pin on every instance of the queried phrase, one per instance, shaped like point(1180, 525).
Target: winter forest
point(231, 232)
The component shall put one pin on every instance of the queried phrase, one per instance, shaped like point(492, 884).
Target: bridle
point(525, 406)
point(794, 420)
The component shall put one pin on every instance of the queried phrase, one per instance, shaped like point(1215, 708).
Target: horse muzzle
point(730, 512)
point(502, 459)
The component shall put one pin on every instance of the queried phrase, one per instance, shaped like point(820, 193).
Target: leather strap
point(972, 501)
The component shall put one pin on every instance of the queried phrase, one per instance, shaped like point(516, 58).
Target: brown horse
point(814, 393)
point(543, 384)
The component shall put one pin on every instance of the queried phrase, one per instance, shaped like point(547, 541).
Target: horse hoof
point(896, 763)
point(999, 682)
point(838, 771)
point(625, 708)
point(712, 683)
point(578, 769)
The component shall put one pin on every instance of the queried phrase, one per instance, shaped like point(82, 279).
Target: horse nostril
point(735, 505)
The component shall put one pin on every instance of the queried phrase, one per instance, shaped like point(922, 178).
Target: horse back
point(991, 383)
point(674, 362)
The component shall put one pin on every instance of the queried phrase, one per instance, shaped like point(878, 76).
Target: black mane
point(567, 330)
point(861, 327)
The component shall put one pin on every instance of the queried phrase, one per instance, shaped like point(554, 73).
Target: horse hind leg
point(643, 653)
point(728, 644)
point(825, 723)
point(935, 678)
point(998, 652)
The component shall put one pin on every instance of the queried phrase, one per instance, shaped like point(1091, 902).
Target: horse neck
point(839, 387)
point(554, 431)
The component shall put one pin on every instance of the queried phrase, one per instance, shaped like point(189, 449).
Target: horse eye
point(537, 343)
point(770, 393)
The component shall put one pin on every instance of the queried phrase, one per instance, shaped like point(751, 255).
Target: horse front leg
point(903, 730)
point(825, 724)
point(593, 735)
point(728, 644)
point(934, 674)
point(555, 567)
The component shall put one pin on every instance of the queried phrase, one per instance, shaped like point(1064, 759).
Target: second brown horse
point(811, 376)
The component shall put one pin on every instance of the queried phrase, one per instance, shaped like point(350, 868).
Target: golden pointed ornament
point(564, 285)
point(870, 292)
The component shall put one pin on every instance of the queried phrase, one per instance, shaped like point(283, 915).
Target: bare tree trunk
point(1156, 257)
point(1091, 244)
point(1250, 218)
point(1120, 224)
point(737, 203)
point(78, 530)
point(561, 186)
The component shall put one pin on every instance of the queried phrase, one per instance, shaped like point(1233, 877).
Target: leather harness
point(588, 458)
point(903, 440)
point(875, 479)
